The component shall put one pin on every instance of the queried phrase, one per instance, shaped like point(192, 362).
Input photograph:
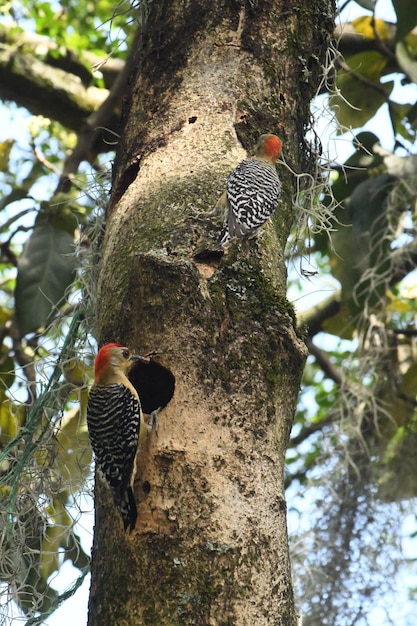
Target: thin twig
point(98, 120)
point(330, 370)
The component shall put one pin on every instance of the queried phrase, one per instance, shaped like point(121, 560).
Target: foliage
point(355, 429)
point(45, 456)
point(357, 416)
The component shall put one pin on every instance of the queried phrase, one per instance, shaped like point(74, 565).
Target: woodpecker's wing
point(113, 419)
point(253, 189)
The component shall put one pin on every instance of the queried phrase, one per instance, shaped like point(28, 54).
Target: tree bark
point(210, 545)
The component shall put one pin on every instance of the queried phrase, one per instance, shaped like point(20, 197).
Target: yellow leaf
point(371, 28)
point(49, 558)
point(77, 372)
point(400, 305)
point(5, 491)
point(74, 453)
point(11, 419)
point(59, 514)
point(5, 315)
point(5, 149)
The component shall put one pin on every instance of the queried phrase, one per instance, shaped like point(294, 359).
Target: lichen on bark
point(210, 546)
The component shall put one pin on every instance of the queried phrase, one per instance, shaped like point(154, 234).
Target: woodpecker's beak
point(138, 357)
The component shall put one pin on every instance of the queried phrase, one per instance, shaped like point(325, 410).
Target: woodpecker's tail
point(128, 509)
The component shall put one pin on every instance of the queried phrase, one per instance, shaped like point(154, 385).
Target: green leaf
point(365, 234)
point(406, 60)
point(363, 156)
point(361, 92)
point(74, 454)
point(62, 212)
point(356, 169)
point(342, 324)
point(367, 204)
point(406, 11)
point(399, 114)
point(45, 270)
point(411, 116)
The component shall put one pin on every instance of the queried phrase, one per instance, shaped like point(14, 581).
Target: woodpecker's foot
point(153, 421)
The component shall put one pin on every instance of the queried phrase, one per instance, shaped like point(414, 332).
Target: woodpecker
point(116, 425)
point(252, 191)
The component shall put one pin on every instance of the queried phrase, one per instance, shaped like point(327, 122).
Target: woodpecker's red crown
point(111, 355)
point(269, 147)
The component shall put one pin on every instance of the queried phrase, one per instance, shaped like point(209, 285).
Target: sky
point(74, 610)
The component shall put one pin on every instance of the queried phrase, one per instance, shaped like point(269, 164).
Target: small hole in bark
point(192, 120)
point(146, 487)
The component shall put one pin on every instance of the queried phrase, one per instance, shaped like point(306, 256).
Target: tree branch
point(51, 53)
point(325, 363)
point(404, 261)
point(331, 372)
point(311, 429)
point(314, 317)
point(350, 42)
point(97, 123)
point(45, 90)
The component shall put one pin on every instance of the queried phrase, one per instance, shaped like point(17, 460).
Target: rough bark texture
point(210, 546)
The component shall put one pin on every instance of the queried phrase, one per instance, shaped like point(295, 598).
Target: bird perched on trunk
point(252, 191)
point(116, 425)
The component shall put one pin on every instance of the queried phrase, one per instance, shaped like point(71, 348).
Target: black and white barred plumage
point(252, 193)
point(113, 419)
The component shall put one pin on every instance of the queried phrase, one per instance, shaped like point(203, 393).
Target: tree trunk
point(210, 544)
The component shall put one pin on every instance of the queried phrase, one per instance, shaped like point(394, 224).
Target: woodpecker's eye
point(125, 353)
